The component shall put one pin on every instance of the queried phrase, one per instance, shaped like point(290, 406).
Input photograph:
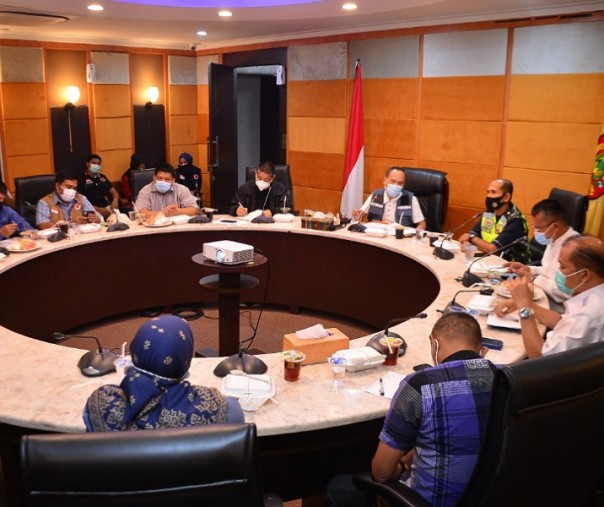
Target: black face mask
point(493, 203)
point(1, 205)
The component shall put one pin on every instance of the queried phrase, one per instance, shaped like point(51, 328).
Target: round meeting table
point(313, 431)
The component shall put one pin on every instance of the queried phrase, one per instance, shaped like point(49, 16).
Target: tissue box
point(317, 350)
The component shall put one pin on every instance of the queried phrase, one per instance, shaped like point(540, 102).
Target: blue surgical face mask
point(541, 238)
point(95, 168)
point(394, 191)
point(163, 186)
point(561, 282)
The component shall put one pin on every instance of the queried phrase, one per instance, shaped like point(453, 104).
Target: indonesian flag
point(352, 195)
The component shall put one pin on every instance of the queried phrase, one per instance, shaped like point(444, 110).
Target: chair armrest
point(393, 491)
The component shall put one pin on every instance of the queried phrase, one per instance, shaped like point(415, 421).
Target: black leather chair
point(543, 443)
point(211, 465)
point(282, 175)
point(28, 191)
point(139, 178)
point(575, 207)
point(432, 191)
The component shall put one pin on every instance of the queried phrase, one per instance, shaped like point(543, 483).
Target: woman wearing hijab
point(188, 174)
point(136, 162)
point(154, 393)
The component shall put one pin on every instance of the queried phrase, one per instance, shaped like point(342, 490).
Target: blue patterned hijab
point(153, 393)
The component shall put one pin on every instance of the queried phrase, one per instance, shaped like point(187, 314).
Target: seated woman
point(154, 393)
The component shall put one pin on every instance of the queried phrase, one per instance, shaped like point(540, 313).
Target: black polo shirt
point(96, 189)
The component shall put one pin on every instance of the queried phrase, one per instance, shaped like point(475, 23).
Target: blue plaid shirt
point(441, 412)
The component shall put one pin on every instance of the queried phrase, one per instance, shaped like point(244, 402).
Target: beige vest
point(56, 213)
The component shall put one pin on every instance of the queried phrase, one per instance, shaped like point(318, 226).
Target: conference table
point(312, 432)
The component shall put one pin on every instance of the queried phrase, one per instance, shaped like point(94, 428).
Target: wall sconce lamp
point(153, 95)
point(73, 95)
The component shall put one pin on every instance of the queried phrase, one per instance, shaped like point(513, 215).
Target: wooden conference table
point(77, 281)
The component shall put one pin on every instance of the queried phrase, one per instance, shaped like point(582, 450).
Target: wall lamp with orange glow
point(73, 95)
point(153, 95)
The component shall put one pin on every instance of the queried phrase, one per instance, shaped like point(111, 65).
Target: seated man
point(393, 204)
point(65, 204)
point(263, 193)
point(97, 188)
point(500, 224)
point(581, 276)
point(435, 421)
point(11, 223)
point(551, 230)
point(164, 195)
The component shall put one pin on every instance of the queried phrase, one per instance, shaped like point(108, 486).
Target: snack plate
point(165, 224)
point(245, 390)
point(86, 228)
point(283, 217)
point(11, 248)
point(504, 292)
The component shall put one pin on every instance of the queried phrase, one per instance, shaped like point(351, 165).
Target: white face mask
point(262, 185)
point(68, 194)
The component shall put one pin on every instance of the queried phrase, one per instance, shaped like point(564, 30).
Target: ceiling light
point(225, 14)
point(349, 6)
point(95, 7)
point(202, 33)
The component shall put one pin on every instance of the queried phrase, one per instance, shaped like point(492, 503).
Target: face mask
point(68, 194)
point(182, 164)
point(394, 190)
point(561, 282)
point(541, 238)
point(492, 203)
point(162, 186)
point(95, 168)
point(1, 205)
point(262, 185)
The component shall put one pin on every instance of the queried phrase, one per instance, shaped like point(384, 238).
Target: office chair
point(543, 443)
point(432, 191)
point(282, 175)
point(28, 191)
point(210, 465)
point(139, 178)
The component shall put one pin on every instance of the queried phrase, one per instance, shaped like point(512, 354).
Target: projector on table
point(228, 252)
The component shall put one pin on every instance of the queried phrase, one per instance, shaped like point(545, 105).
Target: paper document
point(390, 383)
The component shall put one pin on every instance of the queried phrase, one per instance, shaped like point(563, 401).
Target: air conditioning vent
point(20, 18)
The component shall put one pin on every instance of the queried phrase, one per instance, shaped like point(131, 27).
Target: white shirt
point(546, 273)
point(581, 324)
point(390, 208)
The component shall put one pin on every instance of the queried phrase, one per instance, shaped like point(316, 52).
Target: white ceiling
point(175, 27)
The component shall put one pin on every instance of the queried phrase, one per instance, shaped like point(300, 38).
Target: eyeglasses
point(545, 228)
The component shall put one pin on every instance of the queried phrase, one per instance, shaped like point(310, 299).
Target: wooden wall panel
point(565, 98)
point(113, 133)
point(112, 101)
point(183, 100)
point(24, 100)
point(25, 137)
point(317, 98)
point(183, 130)
point(317, 199)
point(316, 170)
point(26, 165)
point(390, 138)
point(463, 98)
point(203, 101)
point(465, 142)
point(390, 99)
point(557, 147)
point(322, 135)
point(115, 162)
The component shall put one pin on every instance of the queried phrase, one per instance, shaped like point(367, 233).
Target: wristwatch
point(471, 236)
point(525, 312)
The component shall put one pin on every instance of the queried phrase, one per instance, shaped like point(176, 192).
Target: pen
point(381, 387)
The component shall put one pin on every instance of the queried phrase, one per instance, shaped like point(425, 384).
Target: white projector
point(228, 252)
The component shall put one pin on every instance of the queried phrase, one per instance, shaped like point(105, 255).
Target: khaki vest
point(56, 212)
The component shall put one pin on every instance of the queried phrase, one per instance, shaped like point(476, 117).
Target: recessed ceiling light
point(349, 6)
point(202, 33)
point(225, 14)
point(95, 7)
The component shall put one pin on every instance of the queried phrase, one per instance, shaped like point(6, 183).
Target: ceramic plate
point(504, 292)
point(86, 228)
point(164, 224)
point(14, 248)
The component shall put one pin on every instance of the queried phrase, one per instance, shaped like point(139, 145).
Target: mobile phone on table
point(492, 343)
point(422, 366)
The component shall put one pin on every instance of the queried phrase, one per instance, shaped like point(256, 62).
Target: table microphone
point(358, 226)
point(95, 362)
point(468, 279)
point(117, 226)
point(241, 361)
point(443, 253)
point(483, 291)
point(374, 342)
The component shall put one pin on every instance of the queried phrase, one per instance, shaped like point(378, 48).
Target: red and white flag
point(352, 195)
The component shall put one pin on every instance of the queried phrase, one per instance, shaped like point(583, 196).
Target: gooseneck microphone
point(468, 279)
point(374, 342)
point(95, 362)
point(358, 226)
point(443, 253)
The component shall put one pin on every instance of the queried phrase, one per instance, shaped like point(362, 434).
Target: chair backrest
point(139, 178)
point(543, 443)
point(432, 191)
point(282, 175)
point(28, 191)
point(575, 207)
point(200, 465)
